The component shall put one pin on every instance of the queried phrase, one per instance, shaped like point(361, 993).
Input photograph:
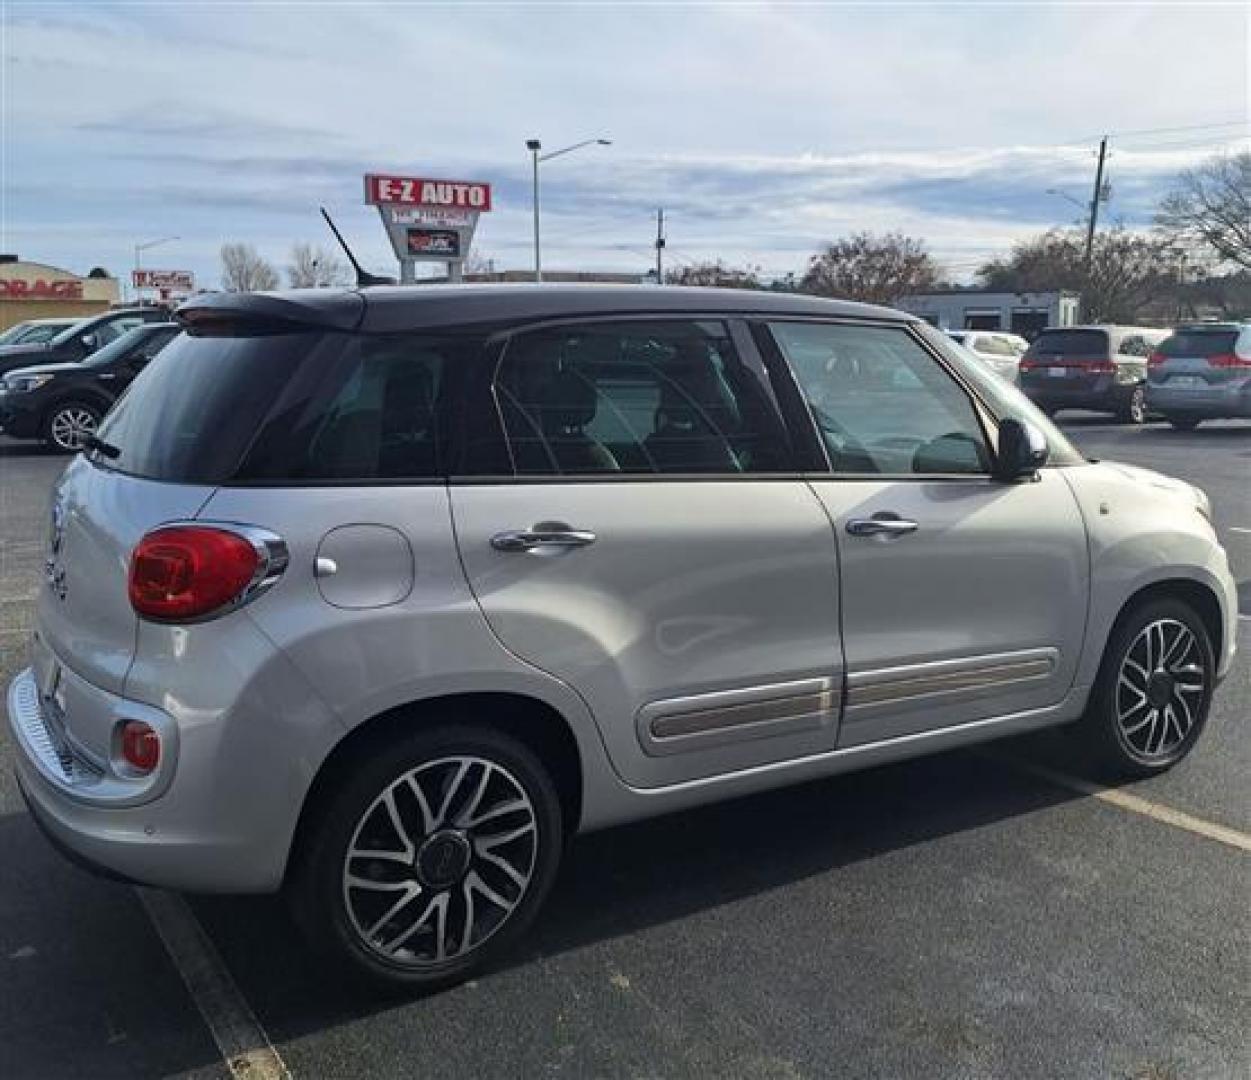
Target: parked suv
point(378, 596)
point(1201, 372)
point(80, 340)
point(1103, 368)
point(63, 403)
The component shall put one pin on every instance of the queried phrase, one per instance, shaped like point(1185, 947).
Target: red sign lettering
point(421, 191)
point(39, 289)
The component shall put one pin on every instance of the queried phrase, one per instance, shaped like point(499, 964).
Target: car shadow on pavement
point(624, 880)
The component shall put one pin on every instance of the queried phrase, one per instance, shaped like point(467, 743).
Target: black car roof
point(411, 307)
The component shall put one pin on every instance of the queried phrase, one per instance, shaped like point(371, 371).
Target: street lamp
point(535, 146)
point(139, 249)
point(1085, 208)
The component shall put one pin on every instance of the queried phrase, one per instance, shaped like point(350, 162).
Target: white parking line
point(1135, 804)
point(244, 1046)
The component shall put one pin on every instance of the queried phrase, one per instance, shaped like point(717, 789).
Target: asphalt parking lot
point(956, 916)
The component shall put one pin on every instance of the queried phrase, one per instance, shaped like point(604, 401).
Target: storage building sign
point(427, 219)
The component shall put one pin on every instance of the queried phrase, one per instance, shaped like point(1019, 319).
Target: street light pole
point(139, 249)
point(534, 146)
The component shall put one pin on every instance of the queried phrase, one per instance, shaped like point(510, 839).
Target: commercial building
point(31, 290)
point(978, 309)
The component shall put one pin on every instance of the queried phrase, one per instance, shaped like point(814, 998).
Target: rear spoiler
point(247, 314)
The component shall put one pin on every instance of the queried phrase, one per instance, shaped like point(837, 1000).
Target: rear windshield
point(1200, 343)
point(196, 407)
point(1070, 343)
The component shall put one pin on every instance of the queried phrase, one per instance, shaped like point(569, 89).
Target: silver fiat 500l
point(378, 596)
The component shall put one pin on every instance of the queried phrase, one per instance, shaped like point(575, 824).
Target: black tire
point(1134, 410)
point(1119, 733)
point(1184, 423)
point(331, 912)
point(68, 422)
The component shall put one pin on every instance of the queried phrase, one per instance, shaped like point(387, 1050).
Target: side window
point(636, 397)
point(371, 416)
point(881, 402)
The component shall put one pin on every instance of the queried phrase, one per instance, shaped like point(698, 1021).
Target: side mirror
point(1023, 450)
point(89, 341)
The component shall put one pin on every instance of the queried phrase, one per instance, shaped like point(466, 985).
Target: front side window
point(881, 402)
point(636, 397)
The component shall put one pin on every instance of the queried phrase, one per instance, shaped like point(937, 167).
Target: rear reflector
point(141, 746)
point(187, 572)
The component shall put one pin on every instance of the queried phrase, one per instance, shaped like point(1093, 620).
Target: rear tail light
point(1229, 360)
point(183, 573)
point(141, 746)
point(1156, 359)
point(1097, 367)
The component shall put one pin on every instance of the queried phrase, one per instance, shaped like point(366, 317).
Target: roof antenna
point(363, 277)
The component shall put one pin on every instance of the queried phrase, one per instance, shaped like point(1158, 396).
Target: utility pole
point(1094, 204)
point(660, 246)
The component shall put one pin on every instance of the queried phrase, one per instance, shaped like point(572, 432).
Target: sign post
point(428, 220)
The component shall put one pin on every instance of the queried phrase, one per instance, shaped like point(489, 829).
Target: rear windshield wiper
point(101, 447)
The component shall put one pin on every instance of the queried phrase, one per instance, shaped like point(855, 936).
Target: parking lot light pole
point(139, 250)
point(535, 147)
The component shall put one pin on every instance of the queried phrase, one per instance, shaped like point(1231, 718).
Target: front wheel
point(69, 425)
point(432, 857)
point(1134, 411)
point(1154, 688)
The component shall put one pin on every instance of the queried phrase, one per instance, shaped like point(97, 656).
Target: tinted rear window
point(194, 410)
point(1070, 343)
point(1200, 343)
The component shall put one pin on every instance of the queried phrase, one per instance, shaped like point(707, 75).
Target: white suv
point(379, 596)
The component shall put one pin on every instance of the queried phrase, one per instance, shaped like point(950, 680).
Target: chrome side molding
point(701, 721)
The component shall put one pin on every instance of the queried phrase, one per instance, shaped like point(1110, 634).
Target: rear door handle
point(881, 526)
point(542, 535)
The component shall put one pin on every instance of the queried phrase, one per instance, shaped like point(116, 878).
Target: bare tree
point(1128, 271)
point(875, 269)
point(313, 267)
point(243, 269)
point(716, 274)
point(1212, 204)
point(477, 264)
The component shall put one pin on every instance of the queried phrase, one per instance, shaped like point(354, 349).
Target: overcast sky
point(763, 130)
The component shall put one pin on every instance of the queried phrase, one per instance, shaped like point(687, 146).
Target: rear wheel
point(1184, 423)
point(70, 424)
point(432, 857)
point(1134, 411)
point(1151, 699)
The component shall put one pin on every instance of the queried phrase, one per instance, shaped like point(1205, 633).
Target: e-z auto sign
point(420, 191)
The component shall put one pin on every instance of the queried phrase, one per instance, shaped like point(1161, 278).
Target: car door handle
point(541, 536)
point(881, 526)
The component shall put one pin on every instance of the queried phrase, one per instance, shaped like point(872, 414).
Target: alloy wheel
point(1160, 690)
point(440, 860)
point(71, 427)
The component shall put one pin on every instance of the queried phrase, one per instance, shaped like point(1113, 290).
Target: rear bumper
point(1231, 399)
point(220, 812)
point(1102, 394)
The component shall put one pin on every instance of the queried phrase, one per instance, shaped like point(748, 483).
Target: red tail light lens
point(1097, 367)
point(141, 746)
point(187, 572)
point(1229, 360)
point(1156, 359)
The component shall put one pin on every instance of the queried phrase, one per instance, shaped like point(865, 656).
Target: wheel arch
point(1197, 594)
point(533, 722)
